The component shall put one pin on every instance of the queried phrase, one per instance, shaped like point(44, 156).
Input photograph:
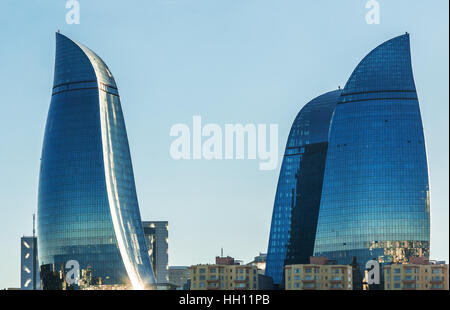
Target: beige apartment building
point(226, 274)
point(320, 274)
point(418, 274)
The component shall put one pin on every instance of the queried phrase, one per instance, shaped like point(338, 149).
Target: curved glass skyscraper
point(357, 187)
point(375, 197)
point(87, 205)
point(297, 199)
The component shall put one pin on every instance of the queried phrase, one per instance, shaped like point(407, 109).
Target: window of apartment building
point(397, 270)
point(396, 285)
point(296, 285)
point(308, 270)
point(202, 285)
point(434, 270)
point(437, 286)
point(212, 270)
point(336, 285)
point(202, 270)
point(297, 270)
point(396, 278)
point(201, 278)
point(297, 278)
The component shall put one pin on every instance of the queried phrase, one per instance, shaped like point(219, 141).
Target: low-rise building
point(179, 276)
point(226, 274)
point(320, 274)
point(260, 262)
point(417, 274)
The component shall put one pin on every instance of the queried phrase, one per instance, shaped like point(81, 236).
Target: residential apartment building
point(416, 275)
point(320, 274)
point(226, 274)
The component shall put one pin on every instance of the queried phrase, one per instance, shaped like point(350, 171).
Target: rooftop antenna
point(339, 87)
point(59, 31)
point(221, 252)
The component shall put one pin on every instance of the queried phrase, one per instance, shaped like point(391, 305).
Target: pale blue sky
point(230, 61)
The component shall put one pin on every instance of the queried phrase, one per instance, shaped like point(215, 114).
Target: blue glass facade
point(375, 197)
point(356, 188)
point(297, 198)
point(87, 204)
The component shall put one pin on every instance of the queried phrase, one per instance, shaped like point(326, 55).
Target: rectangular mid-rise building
point(320, 274)
point(416, 275)
point(29, 267)
point(157, 240)
point(226, 274)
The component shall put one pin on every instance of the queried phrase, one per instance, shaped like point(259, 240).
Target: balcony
point(308, 280)
point(437, 288)
point(336, 280)
point(409, 280)
point(240, 281)
point(436, 280)
point(336, 288)
point(212, 280)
